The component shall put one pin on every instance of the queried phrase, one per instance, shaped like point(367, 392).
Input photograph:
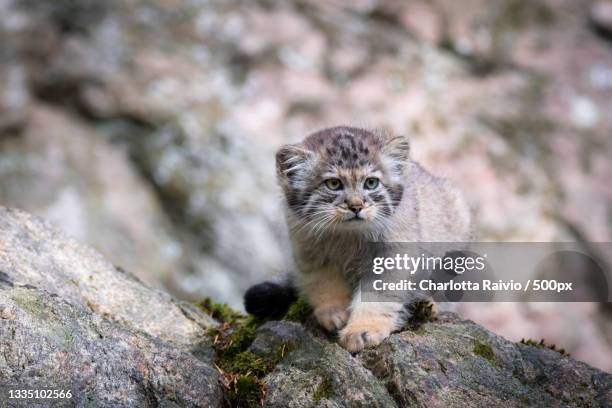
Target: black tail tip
point(268, 299)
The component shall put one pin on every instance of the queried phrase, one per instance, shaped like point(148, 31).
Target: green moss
point(242, 369)
point(247, 362)
point(219, 311)
point(324, 390)
point(242, 336)
point(542, 344)
point(484, 350)
point(299, 311)
point(281, 352)
point(247, 391)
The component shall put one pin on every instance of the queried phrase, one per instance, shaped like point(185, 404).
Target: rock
point(315, 371)
point(510, 98)
point(48, 342)
point(71, 320)
point(79, 181)
point(448, 363)
point(193, 152)
point(454, 362)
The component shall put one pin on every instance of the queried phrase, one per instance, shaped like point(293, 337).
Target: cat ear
point(397, 149)
point(291, 161)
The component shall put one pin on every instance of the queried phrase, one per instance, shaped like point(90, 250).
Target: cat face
point(342, 179)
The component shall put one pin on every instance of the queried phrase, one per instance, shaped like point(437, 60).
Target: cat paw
point(356, 337)
point(332, 318)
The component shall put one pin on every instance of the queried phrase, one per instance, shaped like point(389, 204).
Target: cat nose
point(355, 208)
point(355, 205)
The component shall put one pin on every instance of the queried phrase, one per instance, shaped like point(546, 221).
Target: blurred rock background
point(148, 128)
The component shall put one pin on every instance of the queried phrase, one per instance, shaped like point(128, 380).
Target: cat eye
point(371, 183)
point(333, 184)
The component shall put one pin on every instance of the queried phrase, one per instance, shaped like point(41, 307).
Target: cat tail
point(272, 298)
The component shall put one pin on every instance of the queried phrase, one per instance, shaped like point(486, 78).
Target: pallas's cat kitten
point(345, 187)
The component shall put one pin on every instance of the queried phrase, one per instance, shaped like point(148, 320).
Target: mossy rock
point(484, 350)
point(299, 311)
point(324, 390)
point(288, 363)
point(219, 311)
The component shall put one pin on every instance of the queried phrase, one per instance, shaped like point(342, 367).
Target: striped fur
point(330, 226)
point(352, 156)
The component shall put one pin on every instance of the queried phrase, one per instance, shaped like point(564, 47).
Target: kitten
point(345, 187)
